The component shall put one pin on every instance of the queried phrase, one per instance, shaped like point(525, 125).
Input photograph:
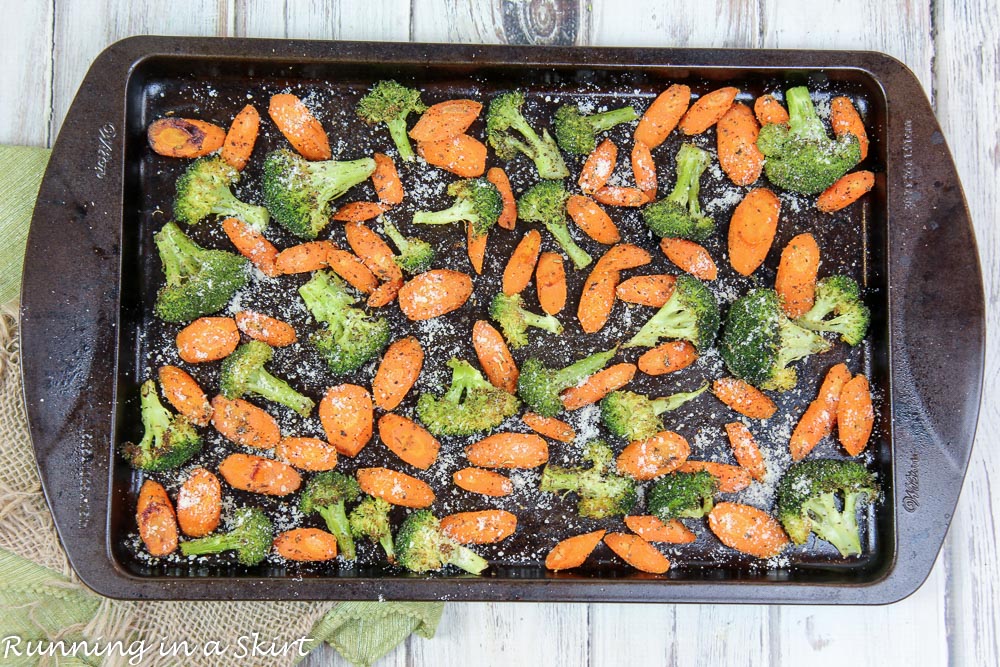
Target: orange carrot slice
point(651, 529)
point(847, 190)
point(624, 256)
point(244, 423)
point(616, 195)
point(352, 269)
point(598, 298)
point(300, 127)
point(855, 415)
point(690, 258)
point(446, 120)
point(476, 245)
point(637, 552)
point(644, 170)
point(747, 529)
point(199, 503)
point(265, 328)
point(752, 229)
point(208, 339)
point(483, 482)
point(508, 450)
point(397, 373)
point(385, 178)
point(573, 551)
point(517, 273)
point(597, 386)
point(309, 545)
point(156, 519)
point(707, 110)
point(310, 454)
point(184, 137)
point(434, 293)
point(739, 156)
point(240, 139)
point(769, 111)
point(550, 282)
point(668, 358)
point(732, 479)
point(373, 251)
point(796, 280)
point(259, 475)
point(592, 219)
point(746, 451)
point(844, 119)
point(598, 167)
point(482, 527)
point(461, 155)
point(494, 356)
point(304, 258)
point(360, 211)
point(817, 421)
point(652, 290)
point(182, 391)
point(663, 115)
point(744, 398)
point(395, 487)
point(508, 216)
point(251, 244)
point(647, 459)
point(347, 415)
point(550, 427)
point(408, 440)
point(384, 294)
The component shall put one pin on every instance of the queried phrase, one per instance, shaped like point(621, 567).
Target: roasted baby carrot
point(597, 386)
point(855, 415)
point(482, 527)
point(520, 266)
point(156, 519)
point(244, 423)
point(352, 269)
point(796, 279)
point(598, 167)
point(310, 454)
point(373, 251)
point(300, 127)
point(385, 178)
point(745, 450)
point(597, 298)
point(752, 228)
point(637, 552)
point(475, 244)
point(508, 216)
point(385, 293)
point(434, 293)
point(817, 421)
point(668, 357)
point(360, 211)
point(624, 256)
point(731, 478)
point(744, 398)
point(747, 529)
point(461, 155)
point(347, 415)
point(240, 139)
point(618, 195)
point(739, 156)
point(483, 482)
point(652, 290)
point(844, 119)
point(199, 503)
point(304, 257)
point(647, 459)
point(663, 115)
point(398, 371)
point(550, 282)
point(184, 137)
point(644, 170)
point(845, 191)
point(445, 120)
point(690, 258)
point(251, 244)
point(508, 450)
point(707, 110)
point(769, 111)
point(182, 391)
point(573, 551)
point(395, 487)
point(408, 440)
point(651, 529)
point(265, 328)
point(310, 545)
point(208, 339)
point(592, 219)
point(259, 475)
point(494, 356)
point(550, 427)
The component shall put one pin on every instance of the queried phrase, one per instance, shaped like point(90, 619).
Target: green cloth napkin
point(40, 603)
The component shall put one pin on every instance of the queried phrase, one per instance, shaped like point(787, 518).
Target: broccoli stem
point(467, 559)
point(608, 119)
point(177, 252)
point(155, 418)
point(387, 545)
point(460, 210)
point(211, 544)
point(275, 389)
point(397, 130)
point(335, 177)
point(578, 255)
point(545, 154)
point(556, 478)
point(666, 323)
point(802, 117)
point(402, 243)
point(797, 343)
point(838, 528)
point(227, 204)
point(336, 521)
point(544, 322)
point(576, 372)
point(674, 401)
point(691, 163)
point(463, 377)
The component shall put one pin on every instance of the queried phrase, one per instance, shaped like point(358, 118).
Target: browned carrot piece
point(592, 219)
point(707, 110)
point(651, 529)
point(848, 189)
point(244, 423)
point(408, 440)
point(597, 298)
point(617, 195)
point(624, 256)
point(769, 111)
point(652, 290)
point(305, 257)
point(476, 246)
point(446, 120)
point(385, 178)
point(745, 450)
point(494, 356)
point(550, 282)
point(310, 545)
point(747, 529)
point(597, 386)
point(251, 244)
point(307, 453)
point(644, 170)
point(461, 155)
point(347, 415)
point(299, 126)
point(265, 328)
point(517, 273)
point(373, 251)
point(199, 503)
point(817, 421)
point(397, 373)
point(637, 552)
point(668, 357)
point(434, 293)
point(352, 269)
point(550, 427)
point(259, 475)
point(208, 339)
point(156, 519)
point(573, 551)
point(647, 459)
point(663, 115)
point(184, 137)
point(508, 450)
point(482, 527)
point(690, 257)
point(395, 487)
point(855, 415)
point(483, 482)
point(796, 280)
point(736, 135)
point(598, 168)
point(731, 478)
point(385, 293)
point(182, 391)
point(752, 228)
point(744, 398)
point(241, 138)
point(844, 119)
point(508, 216)
point(360, 211)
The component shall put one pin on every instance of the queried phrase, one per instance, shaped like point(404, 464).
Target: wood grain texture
point(374, 20)
point(26, 73)
point(701, 23)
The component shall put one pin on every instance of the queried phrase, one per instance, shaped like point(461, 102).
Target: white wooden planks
point(26, 73)
point(696, 23)
point(375, 20)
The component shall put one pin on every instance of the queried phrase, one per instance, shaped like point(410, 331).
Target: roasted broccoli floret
point(545, 202)
point(514, 319)
point(421, 546)
point(477, 201)
point(243, 373)
point(807, 501)
point(800, 156)
point(250, 534)
point(326, 494)
point(636, 417)
point(471, 404)
point(691, 313)
point(203, 190)
point(390, 103)
point(540, 386)
point(678, 215)
point(503, 119)
point(415, 255)
point(577, 133)
point(370, 520)
point(351, 338)
point(168, 440)
point(199, 281)
point(682, 495)
point(601, 492)
point(840, 296)
point(298, 192)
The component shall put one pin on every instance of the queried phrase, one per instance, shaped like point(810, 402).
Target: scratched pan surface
point(925, 412)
